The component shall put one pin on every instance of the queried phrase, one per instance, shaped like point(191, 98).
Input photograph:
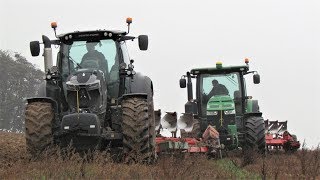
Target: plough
point(208, 144)
point(276, 136)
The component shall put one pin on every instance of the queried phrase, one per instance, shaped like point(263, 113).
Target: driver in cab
point(94, 58)
point(217, 89)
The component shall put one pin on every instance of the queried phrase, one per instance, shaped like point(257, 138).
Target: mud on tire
point(38, 123)
point(152, 133)
point(136, 130)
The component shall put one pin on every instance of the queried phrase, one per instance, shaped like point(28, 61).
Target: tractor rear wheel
point(255, 133)
point(194, 133)
point(38, 123)
point(136, 130)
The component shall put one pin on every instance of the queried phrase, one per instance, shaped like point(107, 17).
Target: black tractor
point(92, 98)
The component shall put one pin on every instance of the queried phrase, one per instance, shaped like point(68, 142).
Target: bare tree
point(19, 79)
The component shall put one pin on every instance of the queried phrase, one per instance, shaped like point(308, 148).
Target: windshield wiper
point(231, 80)
point(70, 58)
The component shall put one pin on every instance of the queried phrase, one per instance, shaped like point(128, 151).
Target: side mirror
point(143, 42)
point(183, 83)
point(256, 78)
point(35, 48)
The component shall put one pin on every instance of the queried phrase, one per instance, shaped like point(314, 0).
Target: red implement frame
point(277, 136)
point(192, 147)
point(206, 144)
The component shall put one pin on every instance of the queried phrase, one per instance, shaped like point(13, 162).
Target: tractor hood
point(220, 103)
point(86, 91)
point(87, 77)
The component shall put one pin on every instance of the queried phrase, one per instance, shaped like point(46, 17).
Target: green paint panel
point(216, 103)
point(233, 131)
point(249, 106)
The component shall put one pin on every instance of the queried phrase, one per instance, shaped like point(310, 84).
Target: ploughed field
point(15, 163)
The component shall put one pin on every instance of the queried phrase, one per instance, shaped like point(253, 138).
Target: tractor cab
point(88, 66)
point(221, 99)
point(87, 56)
point(229, 91)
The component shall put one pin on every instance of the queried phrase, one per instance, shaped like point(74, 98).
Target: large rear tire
point(136, 130)
point(194, 133)
point(255, 133)
point(38, 123)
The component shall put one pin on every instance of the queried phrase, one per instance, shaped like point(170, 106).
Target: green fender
point(252, 106)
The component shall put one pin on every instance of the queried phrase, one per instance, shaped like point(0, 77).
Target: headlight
point(212, 113)
point(94, 86)
point(71, 87)
point(226, 112)
point(48, 76)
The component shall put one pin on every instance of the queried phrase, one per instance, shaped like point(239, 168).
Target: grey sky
point(281, 38)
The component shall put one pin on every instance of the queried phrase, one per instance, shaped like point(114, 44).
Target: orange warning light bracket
point(129, 20)
point(54, 25)
point(246, 60)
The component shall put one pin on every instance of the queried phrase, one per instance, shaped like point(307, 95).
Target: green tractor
point(92, 98)
point(222, 102)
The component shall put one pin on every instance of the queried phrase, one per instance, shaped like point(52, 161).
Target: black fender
point(42, 92)
point(259, 114)
point(52, 91)
point(142, 95)
point(139, 85)
point(255, 109)
point(252, 106)
point(45, 99)
point(49, 90)
point(255, 106)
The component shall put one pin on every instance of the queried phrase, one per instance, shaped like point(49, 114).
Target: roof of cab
point(92, 32)
point(223, 69)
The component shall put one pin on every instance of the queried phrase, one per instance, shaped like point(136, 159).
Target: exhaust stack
point(47, 54)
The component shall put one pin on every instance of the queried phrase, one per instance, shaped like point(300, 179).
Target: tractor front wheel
point(136, 125)
point(38, 123)
point(255, 133)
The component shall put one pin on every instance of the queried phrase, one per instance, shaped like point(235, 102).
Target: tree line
point(19, 79)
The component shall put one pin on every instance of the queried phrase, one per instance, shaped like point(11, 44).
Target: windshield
point(213, 85)
point(221, 84)
point(100, 55)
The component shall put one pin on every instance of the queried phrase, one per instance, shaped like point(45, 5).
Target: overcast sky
point(280, 37)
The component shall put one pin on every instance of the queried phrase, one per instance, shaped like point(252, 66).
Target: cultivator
point(278, 137)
